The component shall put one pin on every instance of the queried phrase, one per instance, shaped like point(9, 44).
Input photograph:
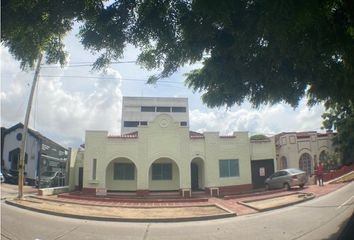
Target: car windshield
point(47, 174)
point(294, 170)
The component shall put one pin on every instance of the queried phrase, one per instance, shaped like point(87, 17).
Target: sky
point(73, 99)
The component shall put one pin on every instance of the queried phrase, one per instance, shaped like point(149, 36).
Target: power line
point(124, 79)
point(84, 64)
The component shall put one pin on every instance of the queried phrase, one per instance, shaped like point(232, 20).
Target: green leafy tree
point(31, 27)
point(262, 51)
point(341, 118)
point(259, 137)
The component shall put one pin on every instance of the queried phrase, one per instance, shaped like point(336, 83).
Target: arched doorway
point(164, 175)
point(323, 156)
point(283, 162)
point(197, 174)
point(121, 175)
point(305, 163)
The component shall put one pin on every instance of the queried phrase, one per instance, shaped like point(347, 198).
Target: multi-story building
point(139, 111)
point(302, 150)
point(41, 153)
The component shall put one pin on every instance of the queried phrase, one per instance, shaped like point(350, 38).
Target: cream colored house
point(302, 149)
point(165, 156)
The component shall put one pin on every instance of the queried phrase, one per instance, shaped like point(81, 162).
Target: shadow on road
point(346, 231)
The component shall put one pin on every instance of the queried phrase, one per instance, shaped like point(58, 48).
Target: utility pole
point(21, 166)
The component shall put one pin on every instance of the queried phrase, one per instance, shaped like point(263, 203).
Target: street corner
point(124, 214)
point(270, 203)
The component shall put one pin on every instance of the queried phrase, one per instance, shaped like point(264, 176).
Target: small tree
point(331, 162)
point(259, 137)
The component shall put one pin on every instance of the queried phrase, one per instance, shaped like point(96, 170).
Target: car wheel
point(286, 186)
point(267, 187)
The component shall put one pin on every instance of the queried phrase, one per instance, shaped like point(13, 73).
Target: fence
point(337, 173)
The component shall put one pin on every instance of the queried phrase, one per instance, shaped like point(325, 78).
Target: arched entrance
point(305, 163)
point(197, 174)
point(121, 175)
point(164, 175)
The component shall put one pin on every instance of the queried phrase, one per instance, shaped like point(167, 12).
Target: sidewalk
point(155, 210)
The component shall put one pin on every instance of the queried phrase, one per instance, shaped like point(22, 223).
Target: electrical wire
point(83, 64)
point(102, 77)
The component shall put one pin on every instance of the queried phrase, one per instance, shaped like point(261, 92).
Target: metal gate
point(261, 169)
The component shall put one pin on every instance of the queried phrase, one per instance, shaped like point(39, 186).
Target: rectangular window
point(179, 109)
point(229, 168)
point(162, 171)
point(131, 123)
point(183, 124)
point(94, 168)
point(143, 123)
point(163, 109)
point(124, 171)
point(147, 109)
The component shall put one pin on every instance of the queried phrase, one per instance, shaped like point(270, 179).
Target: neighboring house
point(42, 154)
point(166, 156)
point(139, 111)
point(302, 150)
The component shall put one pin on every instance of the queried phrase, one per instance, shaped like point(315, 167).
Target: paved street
point(317, 219)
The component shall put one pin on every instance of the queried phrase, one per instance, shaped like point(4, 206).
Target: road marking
point(345, 202)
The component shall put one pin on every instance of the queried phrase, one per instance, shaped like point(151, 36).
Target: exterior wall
point(217, 148)
point(293, 145)
point(76, 161)
point(131, 110)
point(32, 151)
point(164, 140)
point(263, 149)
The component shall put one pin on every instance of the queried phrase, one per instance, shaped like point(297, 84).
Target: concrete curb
point(263, 193)
point(112, 219)
point(244, 203)
point(137, 200)
point(122, 206)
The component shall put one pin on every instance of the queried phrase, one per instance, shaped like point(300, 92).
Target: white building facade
point(41, 153)
point(165, 156)
point(139, 111)
point(157, 151)
point(303, 150)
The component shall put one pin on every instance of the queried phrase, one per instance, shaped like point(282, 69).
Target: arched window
point(323, 156)
point(305, 163)
point(283, 163)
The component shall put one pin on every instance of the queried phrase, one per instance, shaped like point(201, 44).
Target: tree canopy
point(31, 27)
point(262, 51)
point(259, 137)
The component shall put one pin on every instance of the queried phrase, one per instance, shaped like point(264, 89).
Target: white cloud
point(60, 112)
point(268, 120)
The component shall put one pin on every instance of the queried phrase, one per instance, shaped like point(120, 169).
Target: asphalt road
point(321, 218)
